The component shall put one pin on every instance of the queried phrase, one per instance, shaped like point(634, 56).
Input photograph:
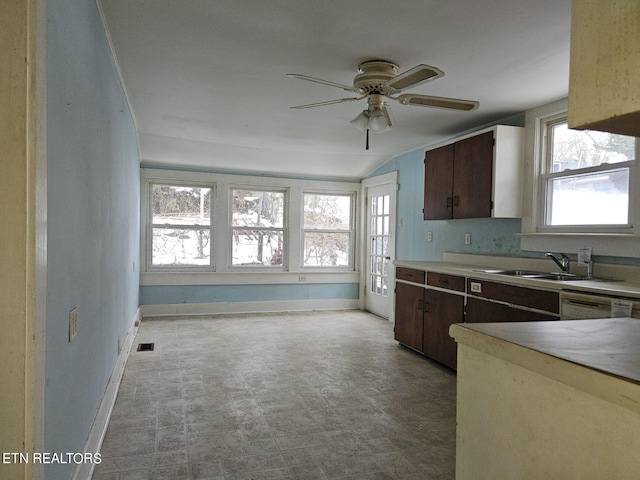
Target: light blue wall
point(92, 224)
point(492, 236)
point(177, 294)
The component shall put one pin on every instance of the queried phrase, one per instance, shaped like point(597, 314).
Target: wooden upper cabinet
point(472, 173)
point(438, 174)
point(604, 93)
point(479, 176)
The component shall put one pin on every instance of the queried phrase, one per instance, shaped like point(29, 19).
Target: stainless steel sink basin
point(516, 273)
point(557, 276)
point(565, 277)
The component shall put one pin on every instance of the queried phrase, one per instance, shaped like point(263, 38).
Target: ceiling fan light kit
point(376, 120)
point(377, 80)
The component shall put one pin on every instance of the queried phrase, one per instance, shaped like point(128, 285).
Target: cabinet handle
point(419, 304)
point(448, 202)
point(456, 200)
point(444, 281)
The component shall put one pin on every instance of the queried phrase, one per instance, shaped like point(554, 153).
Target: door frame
point(367, 183)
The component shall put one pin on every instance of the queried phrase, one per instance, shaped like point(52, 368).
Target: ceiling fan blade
point(438, 102)
point(348, 88)
point(329, 102)
point(413, 77)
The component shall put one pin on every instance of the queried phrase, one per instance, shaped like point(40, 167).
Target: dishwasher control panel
point(574, 305)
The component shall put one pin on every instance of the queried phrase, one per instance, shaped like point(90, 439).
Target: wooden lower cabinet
point(441, 310)
point(409, 315)
point(427, 306)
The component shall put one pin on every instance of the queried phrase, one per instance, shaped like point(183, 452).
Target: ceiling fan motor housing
point(373, 75)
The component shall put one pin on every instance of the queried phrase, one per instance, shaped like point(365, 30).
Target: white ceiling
point(208, 88)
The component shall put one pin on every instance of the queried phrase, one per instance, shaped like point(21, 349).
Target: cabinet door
point(483, 311)
point(438, 183)
point(472, 176)
point(409, 312)
point(441, 310)
point(604, 66)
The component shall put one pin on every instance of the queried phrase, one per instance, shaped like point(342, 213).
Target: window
point(586, 178)
point(200, 228)
point(327, 230)
point(181, 227)
point(258, 228)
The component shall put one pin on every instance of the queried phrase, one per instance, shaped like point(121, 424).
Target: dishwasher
point(579, 305)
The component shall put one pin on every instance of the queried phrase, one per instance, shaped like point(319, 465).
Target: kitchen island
point(556, 400)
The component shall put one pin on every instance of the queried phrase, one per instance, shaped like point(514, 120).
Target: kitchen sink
point(516, 273)
point(558, 276)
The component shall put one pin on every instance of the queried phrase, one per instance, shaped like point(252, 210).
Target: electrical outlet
point(302, 278)
point(429, 236)
point(73, 323)
point(467, 239)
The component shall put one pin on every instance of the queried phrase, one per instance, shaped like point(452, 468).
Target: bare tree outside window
point(180, 225)
point(575, 149)
point(258, 227)
point(328, 230)
point(587, 179)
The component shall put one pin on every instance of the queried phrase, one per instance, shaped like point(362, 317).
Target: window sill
point(578, 235)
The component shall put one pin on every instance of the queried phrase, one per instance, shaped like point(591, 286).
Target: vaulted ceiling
point(207, 84)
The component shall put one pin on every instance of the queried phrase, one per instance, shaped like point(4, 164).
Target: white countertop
point(608, 345)
point(603, 287)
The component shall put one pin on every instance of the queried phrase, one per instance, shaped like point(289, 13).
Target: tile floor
point(318, 395)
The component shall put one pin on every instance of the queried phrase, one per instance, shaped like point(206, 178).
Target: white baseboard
point(83, 471)
point(247, 307)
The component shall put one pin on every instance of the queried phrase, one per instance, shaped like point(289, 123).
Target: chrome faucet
point(563, 263)
point(589, 268)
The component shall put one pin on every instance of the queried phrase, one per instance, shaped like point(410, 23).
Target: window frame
point(545, 176)
point(284, 229)
point(351, 231)
point(149, 266)
point(291, 273)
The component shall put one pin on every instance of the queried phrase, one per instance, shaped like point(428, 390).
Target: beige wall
point(18, 233)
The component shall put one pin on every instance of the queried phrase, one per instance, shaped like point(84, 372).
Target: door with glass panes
point(380, 248)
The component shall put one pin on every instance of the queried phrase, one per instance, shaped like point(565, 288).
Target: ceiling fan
point(378, 80)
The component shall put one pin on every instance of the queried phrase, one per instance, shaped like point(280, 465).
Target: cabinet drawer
point(443, 280)
point(481, 311)
point(515, 295)
point(410, 275)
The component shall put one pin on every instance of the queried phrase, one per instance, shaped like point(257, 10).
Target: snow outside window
point(587, 178)
point(181, 227)
point(258, 228)
point(328, 230)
